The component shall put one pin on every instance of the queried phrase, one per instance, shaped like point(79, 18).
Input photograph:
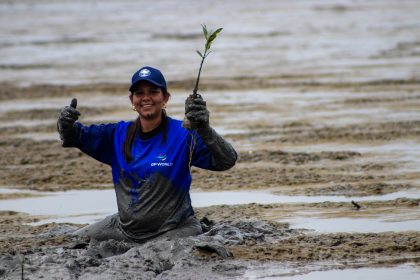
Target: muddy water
point(402, 272)
point(406, 272)
point(81, 41)
point(353, 224)
point(320, 98)
point(406, 153)
point(59, 207)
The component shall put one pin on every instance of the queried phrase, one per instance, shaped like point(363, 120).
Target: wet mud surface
point(225, 250)
point(262, 157)
point(297, 155)
point(313, 109)
point(306, 156)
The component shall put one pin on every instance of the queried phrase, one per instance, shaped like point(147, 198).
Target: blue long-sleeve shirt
point(153, 189)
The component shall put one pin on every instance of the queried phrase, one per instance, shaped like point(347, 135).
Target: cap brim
point(147, 80)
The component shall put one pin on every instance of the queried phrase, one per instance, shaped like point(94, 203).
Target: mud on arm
point(223, 155)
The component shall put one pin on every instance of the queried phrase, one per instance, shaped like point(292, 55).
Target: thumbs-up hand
point(69, 115)
point(65, 124)
point(73, 103)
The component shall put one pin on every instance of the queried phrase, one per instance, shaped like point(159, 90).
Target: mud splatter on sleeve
point(212, 151)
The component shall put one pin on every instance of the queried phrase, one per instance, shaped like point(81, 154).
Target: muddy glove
point(196, 112)
point(65, 124)
point(223, 154)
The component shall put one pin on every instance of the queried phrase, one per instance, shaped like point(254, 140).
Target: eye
point(154, 91)
point(138, 93)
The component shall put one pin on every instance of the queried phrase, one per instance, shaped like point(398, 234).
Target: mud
point(224, 250)
point(330, 173)
point(167, 259)
point(17, 236)
point(313, 108)
point(291, 156)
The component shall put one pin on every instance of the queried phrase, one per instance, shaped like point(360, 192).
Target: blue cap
point(148, 74)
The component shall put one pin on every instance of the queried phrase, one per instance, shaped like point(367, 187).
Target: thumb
point(73, 103)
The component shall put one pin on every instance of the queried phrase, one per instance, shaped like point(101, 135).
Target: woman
point(151, 159)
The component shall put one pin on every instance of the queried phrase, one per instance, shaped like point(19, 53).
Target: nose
point(146, 96)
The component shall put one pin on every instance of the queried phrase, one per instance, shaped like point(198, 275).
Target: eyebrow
point(153, 87)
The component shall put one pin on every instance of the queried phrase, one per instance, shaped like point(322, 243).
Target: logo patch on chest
point(161, 158)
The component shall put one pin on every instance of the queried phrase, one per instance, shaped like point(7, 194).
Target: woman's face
point(148, 100)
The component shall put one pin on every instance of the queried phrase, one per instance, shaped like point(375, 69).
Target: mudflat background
point(320, 99)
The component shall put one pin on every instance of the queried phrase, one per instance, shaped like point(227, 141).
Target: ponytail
point(132, 130)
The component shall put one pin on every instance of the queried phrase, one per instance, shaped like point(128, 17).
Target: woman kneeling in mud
point(150, 159)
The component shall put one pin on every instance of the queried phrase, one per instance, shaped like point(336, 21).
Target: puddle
point(64, 204)
point(26, 123)
point(401, 151)
point(103, 101)
point(80, 50)
point(359, 225)
point(406, 147)
point(77, 206)
point(48, 136)
point(37, 104)
point(243, 197)
point(42, 136)
point(406, 272)
point(76, 219)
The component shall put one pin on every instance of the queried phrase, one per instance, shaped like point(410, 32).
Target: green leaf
point(205, 32)
point(212, 37)
point(218, 31)
point(199, 53)
point(214, 34)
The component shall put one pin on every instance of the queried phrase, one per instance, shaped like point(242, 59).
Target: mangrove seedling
point(209, 36)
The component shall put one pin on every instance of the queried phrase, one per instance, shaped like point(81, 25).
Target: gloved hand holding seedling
point(196, 114)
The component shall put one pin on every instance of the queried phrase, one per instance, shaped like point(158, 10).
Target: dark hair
point(134, 129)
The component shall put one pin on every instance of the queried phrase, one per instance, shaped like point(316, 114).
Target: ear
point(166, 97)
point(131, 98)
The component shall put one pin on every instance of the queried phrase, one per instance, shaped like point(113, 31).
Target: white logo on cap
point(144, 73)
